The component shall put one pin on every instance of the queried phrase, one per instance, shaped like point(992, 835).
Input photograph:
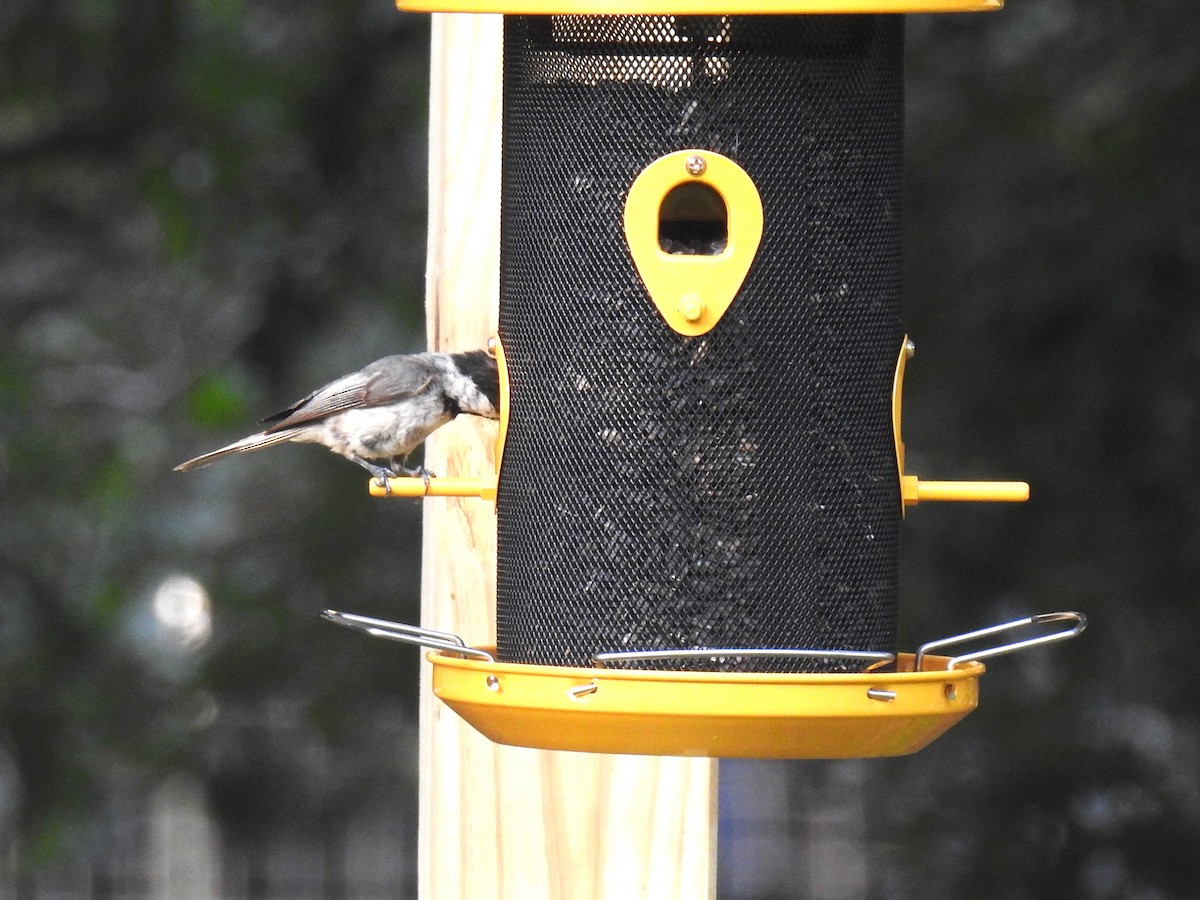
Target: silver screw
point(695, 165)
point(582, 690)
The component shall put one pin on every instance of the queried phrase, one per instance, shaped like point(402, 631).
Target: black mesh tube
point(737, 489)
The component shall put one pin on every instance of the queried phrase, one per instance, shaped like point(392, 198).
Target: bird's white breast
point(384, 431)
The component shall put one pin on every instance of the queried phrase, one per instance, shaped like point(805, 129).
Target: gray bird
point(381, 412)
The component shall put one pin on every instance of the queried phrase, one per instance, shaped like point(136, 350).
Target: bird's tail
point(245, 445)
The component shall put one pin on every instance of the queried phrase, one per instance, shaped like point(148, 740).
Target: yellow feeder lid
point(695, 7)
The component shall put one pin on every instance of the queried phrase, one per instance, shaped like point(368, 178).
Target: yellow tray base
point(780, 716)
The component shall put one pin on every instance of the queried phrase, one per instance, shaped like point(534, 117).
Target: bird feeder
point(702, 481)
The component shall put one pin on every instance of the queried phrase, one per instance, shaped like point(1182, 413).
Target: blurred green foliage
point(217, 401)
point(209, 209)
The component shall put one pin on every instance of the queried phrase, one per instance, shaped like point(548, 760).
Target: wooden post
point(503, 822)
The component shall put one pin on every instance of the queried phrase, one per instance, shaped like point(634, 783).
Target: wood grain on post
point(504, 822)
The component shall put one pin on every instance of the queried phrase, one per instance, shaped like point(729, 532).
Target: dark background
point(210, 207)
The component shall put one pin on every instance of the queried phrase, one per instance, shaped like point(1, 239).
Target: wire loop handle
point(1078, 619)
point(408, 634)
point(454, 645)
point(874, 657)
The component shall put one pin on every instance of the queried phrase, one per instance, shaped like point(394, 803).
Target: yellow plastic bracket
point(692, 291)
point(484, 488)
point(497, 350)
point(913, 490)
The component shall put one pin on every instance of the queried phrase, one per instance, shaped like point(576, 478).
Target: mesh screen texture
point(737, 489)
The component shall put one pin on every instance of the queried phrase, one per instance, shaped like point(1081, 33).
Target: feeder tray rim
point(453, 659)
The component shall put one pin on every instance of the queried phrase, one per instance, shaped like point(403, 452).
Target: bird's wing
point(384, 381)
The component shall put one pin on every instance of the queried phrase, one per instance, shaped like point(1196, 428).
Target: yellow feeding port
point(914, 490)
point(693, 222)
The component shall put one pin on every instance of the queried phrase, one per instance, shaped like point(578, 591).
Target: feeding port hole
point(693, 220)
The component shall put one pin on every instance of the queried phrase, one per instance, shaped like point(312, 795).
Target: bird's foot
point(416, 472)
point(382, 474)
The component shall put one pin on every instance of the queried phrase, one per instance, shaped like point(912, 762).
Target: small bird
point(381, 412)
